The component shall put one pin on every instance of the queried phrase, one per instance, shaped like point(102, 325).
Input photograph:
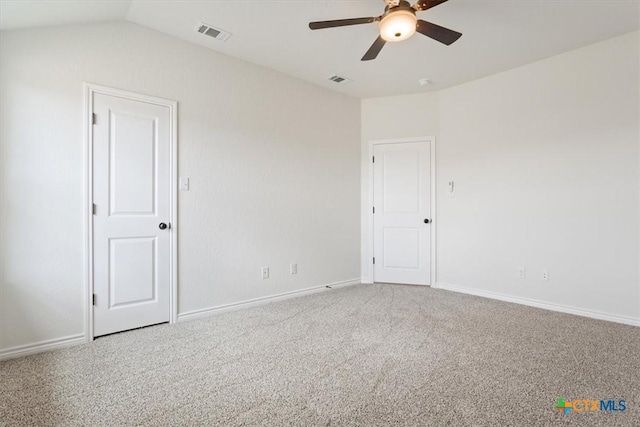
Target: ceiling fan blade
point(374, 50)
point(341, 23)
point(427, 4)
point(436, 32)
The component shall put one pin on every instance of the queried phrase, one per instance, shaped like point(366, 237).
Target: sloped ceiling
point(497, 35)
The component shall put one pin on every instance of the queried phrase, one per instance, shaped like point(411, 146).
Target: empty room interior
point(314, 213)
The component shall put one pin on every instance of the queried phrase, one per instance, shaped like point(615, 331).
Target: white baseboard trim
point(39, 347)
point(541, 304)
point(206, 312)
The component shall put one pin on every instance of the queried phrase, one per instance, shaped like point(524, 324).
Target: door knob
point(162, 226)
point(427, 220)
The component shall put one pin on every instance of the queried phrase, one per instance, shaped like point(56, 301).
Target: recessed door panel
point(132, 152)
point(401, 247)
point(132, 271)
point(401, 182)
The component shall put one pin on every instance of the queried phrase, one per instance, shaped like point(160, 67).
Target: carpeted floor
point(366, 355)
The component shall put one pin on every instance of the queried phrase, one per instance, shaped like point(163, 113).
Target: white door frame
point(90, 90)
point(432, 145)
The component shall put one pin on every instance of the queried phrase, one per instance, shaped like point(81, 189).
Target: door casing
point(370, 215)
point(89, 90)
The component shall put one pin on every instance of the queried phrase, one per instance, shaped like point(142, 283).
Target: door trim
point(432, 146)
point(90, 90)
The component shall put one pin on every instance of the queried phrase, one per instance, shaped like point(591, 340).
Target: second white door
point(402, 213)
point(132, 197)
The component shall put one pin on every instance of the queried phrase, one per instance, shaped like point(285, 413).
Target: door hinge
point(94, 118)
point(374, 209)
point(94, 208)
point(373, 160)
point(93, 299)
point(374, 260)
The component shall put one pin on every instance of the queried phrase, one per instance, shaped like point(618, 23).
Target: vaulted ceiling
point(497, 35)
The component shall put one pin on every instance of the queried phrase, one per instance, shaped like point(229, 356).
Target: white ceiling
point(15, 14)
point(497, 35)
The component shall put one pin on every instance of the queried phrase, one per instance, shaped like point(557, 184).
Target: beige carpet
point(367, 355)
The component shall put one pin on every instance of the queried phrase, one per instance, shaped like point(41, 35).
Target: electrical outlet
point(522, 273)
point(293, 268)
point(544, 276)
point(265, 272)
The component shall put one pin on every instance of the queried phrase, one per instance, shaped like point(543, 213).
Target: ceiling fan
point(397, 23)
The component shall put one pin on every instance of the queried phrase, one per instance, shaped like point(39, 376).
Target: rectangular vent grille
point(213, 32)
point(339, 79)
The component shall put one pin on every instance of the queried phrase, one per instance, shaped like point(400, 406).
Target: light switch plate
point(184, 184)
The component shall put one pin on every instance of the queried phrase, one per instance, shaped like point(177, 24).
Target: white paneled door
point(402, 216)
point(132, 207)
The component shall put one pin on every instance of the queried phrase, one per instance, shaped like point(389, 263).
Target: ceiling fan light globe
point(398, 26)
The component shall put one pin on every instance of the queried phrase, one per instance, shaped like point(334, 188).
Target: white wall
point(273, 163)
point(545, 160)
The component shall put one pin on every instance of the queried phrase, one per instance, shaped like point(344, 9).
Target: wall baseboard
point(39, 347)
point(206, 312)
point(541, 304)
point(57, 343)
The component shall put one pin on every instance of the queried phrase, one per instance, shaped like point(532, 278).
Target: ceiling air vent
point(213, 32)
point(339, 79)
